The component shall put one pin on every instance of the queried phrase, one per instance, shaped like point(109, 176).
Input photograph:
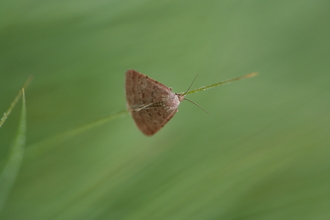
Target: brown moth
point(151, 103)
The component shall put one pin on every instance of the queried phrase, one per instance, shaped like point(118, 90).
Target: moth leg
point(151, 105)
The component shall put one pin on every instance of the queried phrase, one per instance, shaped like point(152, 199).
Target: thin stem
point(44, 145)
point(220, 83)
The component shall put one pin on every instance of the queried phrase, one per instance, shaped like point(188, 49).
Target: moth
point(152, 104)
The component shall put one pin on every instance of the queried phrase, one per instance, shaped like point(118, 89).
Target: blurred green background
point(262, 152)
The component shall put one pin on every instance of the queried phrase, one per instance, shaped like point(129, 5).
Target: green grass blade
point(11, 169)
point(47, 143)
point(12, 105)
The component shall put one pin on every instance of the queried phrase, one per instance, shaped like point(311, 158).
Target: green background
point(262, 152)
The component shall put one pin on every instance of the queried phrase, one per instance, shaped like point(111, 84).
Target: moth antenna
point(191, 85)
point(196, 105)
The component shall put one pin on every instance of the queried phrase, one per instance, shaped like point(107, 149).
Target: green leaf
point(14, 102)
point(11, 169)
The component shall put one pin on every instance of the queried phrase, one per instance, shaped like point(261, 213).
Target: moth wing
point(151, 103)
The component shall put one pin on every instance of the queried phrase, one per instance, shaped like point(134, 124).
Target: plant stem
point(220, 83)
